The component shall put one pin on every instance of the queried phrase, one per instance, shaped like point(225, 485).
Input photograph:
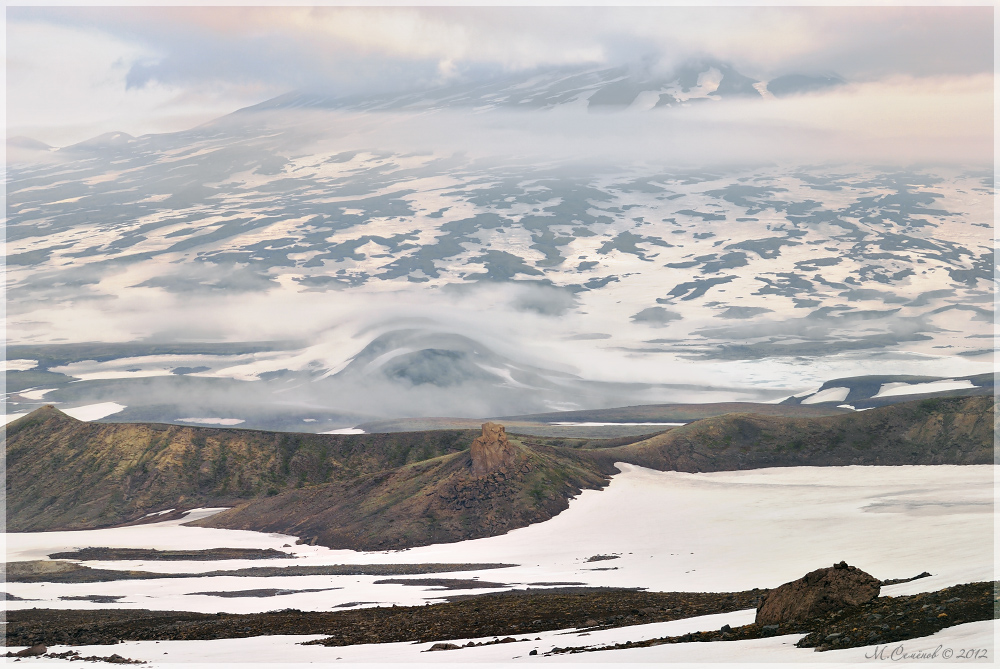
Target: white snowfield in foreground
point(670, 531)
point(286, 650)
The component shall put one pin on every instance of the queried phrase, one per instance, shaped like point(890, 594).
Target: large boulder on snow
point(818, 593)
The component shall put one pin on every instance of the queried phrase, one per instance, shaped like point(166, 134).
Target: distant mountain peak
point(109, 140)
point(22, 142)
point(597, 88)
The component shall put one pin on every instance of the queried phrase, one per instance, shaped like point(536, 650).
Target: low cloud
point(78, 70)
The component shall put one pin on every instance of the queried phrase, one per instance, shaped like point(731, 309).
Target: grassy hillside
point(435, 501)
point(66, 474)
point(935, 431)
point(396, 490)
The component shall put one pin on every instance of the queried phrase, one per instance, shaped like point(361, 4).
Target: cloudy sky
point(74, 72)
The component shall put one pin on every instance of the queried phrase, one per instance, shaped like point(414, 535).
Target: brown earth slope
point(67, 474)
point(956, 431)
point(408, 489)
point(435, 501)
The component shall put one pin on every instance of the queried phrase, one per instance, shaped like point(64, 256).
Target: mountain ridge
point(396, 490)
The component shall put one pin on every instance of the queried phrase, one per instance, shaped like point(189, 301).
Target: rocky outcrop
point(817, 593)
point(491, 451)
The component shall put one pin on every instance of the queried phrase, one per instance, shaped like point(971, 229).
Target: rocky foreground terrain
point(517, 613)
point(381, 491)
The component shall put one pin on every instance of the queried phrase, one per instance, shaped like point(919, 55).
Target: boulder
point(818, 593)
point(34, 651)
point(491, 451)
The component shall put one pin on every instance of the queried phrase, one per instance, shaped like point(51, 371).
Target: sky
point(76, 72)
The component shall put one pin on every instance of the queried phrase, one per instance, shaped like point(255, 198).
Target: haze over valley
point(536, 242)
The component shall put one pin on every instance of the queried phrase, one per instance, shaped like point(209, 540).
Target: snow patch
point(10, 417)
point(897, 389)
point(838, 394)
point(158, 513)
point(212, 421)
point(35, 394)
point(94, 411)
point(19, 365)
point(345, 430)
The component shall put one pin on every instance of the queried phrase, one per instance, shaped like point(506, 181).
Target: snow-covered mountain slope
point(597, 89)
point(581, 282)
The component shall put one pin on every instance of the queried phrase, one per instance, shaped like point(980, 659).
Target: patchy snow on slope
point(35, 394)
point(829, 395)
point(21, 365)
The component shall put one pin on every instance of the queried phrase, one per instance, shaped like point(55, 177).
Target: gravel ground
point(500, 614)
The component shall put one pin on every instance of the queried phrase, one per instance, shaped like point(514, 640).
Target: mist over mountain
point(565, 238)
point(638, 86)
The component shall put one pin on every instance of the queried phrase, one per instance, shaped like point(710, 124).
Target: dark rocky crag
point(491, 451)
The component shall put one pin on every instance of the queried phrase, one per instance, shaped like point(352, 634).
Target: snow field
point(671, 531)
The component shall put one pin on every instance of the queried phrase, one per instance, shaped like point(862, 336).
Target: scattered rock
point(443, 583)
point(97, 599)
point(817, 593)
point(34, 651)
point(444, 646)
point(491, 450)
point(115, 658)
point(894, 581)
